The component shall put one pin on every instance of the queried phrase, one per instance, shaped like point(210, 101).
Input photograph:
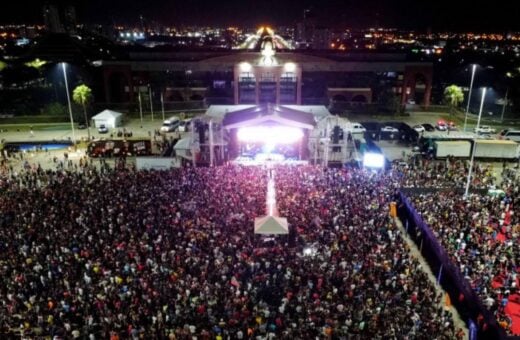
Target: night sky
point(416, 14)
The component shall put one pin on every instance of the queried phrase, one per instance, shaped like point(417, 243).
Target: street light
point(473, 69)
point(162, 105)
point(475, 143)
point(64, 67)
point(140, 107)
point(150, 97)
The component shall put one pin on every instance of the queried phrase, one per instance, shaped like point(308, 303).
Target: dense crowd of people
point(481, 234)
point(450, 173)
point(172, 254)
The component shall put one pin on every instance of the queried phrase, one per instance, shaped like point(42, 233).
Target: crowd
point(481, 234)
point(450, 173)
point(172, 254)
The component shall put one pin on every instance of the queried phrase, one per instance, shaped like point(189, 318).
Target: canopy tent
point(271, 225)
point(111, 119)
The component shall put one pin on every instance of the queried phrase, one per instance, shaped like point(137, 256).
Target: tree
point(82, 95)
point(453, 96)
point(389, 101)
point(55, 109)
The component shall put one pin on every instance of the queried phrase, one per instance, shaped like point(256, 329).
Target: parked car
point(184, 125)
point(419, 128)
point(428, 127)
point(441, 125)
point(484, 129)
point(356, 128)
point(82, 126)
point(389, 129)
point(452, 126)
point(102, 129)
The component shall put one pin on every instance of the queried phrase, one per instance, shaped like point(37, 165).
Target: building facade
point(267, 76)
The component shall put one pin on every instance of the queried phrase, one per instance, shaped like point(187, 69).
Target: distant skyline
point(438, 15)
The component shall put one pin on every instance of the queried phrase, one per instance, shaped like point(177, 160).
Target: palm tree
point(453, 96)
point(82, 95)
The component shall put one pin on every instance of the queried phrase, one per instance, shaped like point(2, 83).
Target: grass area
point(459, 116)
point(35, 127)
point(33, 120)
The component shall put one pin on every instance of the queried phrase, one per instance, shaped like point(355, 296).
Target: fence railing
point(462, 296)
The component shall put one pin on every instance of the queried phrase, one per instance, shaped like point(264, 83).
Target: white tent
point(183, 148)
point(271, 225)
point(111, 119)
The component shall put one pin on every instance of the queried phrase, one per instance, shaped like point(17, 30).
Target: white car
point(102, 129)
point(389, 129)
point(419, 128)
point(358, 128)
point(485, 129)
point(184, 126)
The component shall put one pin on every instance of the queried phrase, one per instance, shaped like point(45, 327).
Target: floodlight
point(373, 160)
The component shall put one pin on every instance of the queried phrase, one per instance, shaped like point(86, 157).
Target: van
point(513, 135)
point(171, 124)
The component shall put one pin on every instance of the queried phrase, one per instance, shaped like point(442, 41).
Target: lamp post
point(474, 143)
point(162, 105)
point(473, 69)
point(150, 97)
point(64, 67)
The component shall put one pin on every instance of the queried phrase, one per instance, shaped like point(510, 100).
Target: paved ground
point(63, 132)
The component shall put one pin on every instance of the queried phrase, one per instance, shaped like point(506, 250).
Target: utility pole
point(140, 108)
point(466, 192)
point(473, 69)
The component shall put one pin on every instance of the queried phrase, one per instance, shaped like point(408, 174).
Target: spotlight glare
point(245, 67)
point(373, 160)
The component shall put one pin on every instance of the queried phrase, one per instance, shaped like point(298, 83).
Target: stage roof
point(264, 114)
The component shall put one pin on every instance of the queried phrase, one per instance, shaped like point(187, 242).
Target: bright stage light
point(245, 67)
point(289, 67)
point(270, 135)
point(374, 160)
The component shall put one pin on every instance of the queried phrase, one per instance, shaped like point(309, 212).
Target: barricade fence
point(448, 275)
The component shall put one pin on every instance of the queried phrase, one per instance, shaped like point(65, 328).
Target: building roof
point(107, 114)
point(258, 115)
point(220, 111)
